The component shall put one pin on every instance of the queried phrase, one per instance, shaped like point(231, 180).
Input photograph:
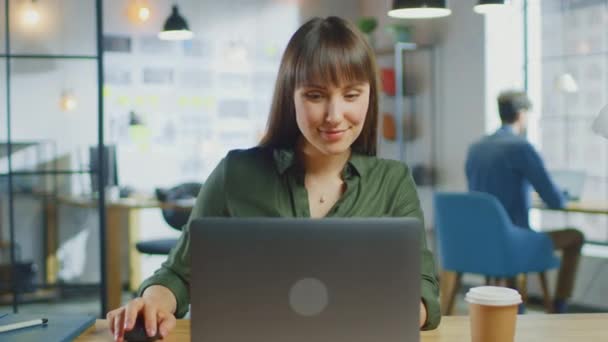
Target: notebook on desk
point(59, 328)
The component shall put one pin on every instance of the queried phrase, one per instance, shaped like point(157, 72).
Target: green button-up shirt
point(270, 183)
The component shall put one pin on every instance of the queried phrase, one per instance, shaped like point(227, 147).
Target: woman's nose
point(335, 111)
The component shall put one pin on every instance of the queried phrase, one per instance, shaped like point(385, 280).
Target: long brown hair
point(322, 51)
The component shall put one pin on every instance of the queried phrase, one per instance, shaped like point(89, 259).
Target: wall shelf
point(413, 113)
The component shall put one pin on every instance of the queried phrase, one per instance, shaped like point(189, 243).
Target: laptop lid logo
point(308, 297)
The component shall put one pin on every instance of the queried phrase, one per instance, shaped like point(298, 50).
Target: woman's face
point(331, 118)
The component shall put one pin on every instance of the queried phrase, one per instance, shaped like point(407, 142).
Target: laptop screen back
point(339, 280)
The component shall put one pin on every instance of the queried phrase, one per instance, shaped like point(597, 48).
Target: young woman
point(316, 160)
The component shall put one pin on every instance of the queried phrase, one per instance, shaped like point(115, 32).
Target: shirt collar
point(284, 159)
point(507, 129)
point(357, 162)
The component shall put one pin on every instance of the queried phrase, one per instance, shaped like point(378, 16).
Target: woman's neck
point(318, 164)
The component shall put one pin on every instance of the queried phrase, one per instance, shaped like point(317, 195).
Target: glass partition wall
point(171, 109)
point(50, 115)
point(568, 79)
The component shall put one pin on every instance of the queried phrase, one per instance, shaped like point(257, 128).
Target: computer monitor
point(570, 182)
point(110, 168)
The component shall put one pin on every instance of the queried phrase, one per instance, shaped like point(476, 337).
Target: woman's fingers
point(119, 326)
point(124, 319)
point(166, 323)
point(150, 320)
point(131, 311)
point(111, 317)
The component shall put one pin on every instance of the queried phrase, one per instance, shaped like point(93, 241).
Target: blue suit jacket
point(506, 165)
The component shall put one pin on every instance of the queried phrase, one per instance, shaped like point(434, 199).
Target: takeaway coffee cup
point(493, 313)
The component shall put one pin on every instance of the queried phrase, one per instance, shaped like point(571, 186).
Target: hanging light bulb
point(138, 11)
point(68, 101)
point(176, 27)
point(143, 13)
point(31, 15)
point(419, 9)
point(491, 6)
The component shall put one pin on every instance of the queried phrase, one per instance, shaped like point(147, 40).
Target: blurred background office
point(164, 112)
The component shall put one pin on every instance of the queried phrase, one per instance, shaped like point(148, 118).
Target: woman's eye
point(352, 96)
point(313, 96)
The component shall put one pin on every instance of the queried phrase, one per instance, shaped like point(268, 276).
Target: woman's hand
point(157, 305)
point(422, 314)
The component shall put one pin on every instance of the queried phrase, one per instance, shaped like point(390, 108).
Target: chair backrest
point(177, 218)
point(472, 230)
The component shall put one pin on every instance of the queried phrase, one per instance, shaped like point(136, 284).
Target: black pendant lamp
point(176, 27)
point(418, 9)
point(490, 6)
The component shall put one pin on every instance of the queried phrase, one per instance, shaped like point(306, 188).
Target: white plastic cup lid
point(493, 296)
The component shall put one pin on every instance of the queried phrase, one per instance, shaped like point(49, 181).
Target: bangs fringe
point(335, 62)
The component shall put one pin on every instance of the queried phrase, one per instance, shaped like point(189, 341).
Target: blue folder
point(59, 328)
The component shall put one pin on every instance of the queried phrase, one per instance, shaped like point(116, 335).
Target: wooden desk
point(532, 328)
point(116, 213)
point(587, 207)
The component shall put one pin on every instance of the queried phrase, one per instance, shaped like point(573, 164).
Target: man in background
point(506, 165)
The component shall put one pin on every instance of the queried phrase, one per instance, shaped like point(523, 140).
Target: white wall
point(462, 96)
point(460, 84)
point(504, 58)
point(322, 8)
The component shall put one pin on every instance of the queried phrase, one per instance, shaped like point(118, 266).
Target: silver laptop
point(303, 280)
point(570, 182)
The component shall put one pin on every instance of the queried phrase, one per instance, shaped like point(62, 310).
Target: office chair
point(175, 217)
point(475, 235)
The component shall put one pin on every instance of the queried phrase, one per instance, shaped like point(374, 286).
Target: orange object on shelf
point(389, 129)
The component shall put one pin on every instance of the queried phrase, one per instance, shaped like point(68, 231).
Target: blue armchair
point(475, 235)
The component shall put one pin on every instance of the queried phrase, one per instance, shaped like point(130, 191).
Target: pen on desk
point(21, 325)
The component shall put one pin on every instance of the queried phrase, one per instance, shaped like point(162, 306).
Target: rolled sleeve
point(175, 284)
point(174, 274)
point(429, 291)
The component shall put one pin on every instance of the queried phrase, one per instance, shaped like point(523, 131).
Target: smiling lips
point(332, 135)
